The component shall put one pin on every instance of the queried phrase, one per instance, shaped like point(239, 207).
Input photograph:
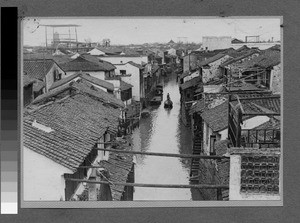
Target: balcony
point(261, 138)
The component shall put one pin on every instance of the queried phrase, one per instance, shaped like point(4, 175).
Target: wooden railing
point(260, 137)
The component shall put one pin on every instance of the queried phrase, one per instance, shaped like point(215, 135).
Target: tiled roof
point(119, 165)
point(275, 47)
point(136, 65)
point(266, 59)
point(125, 86)
point(81, 63)
point(199, 106)
point(211, 59)
point(27, 80)
point(78, 122)
point(217, 117)
point(265, 104)
point(233, 60)
point(184, 74)
point(37, 56)
point(84, 76)
point(105, 64)
point(37, 69)
point(191, 83)
point(235, 40)
point(84, 87)
point(242, 86)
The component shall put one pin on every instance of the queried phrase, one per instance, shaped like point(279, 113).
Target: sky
point(139, 30)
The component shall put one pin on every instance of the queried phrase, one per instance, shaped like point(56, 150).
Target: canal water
point(163, 132)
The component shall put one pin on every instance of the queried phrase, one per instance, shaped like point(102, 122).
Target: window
point(212, 149)
point(56, 75)
point(123, 72)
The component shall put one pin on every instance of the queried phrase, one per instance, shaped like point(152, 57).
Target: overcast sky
point(138, 30)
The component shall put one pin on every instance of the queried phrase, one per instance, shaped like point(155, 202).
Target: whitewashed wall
point(42, 178)
point(49, 79)
point(134, 79)
point(214, 70)
point(216, 42)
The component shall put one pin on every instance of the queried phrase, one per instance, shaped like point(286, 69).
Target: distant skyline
point(139, 30)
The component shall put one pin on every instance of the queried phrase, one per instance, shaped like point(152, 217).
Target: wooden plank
point(164, 154)
point(203, 186)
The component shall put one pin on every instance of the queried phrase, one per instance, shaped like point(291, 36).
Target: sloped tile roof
point(119, 165)
point(37, 69)
point(211, 59)
point(82, 86)
point(27, 80)
point(233, 60)
point(136, 65)
point(217, 117)
point(85, 76)
point(125, 86)
point(78, 122)
point(191, 83)
point(266, 104)
point(81, 63)
point(199, 106)
point(266, 59)
point(37, 56)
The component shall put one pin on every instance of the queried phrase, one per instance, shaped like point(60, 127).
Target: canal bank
point(163, 132)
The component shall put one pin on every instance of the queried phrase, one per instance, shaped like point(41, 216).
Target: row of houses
point(231, 100)
point(74, 107)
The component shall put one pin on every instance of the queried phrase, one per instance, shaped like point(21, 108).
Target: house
point(250, 146)
point(96, 52)
point(172, 52)
point(120, 59)
point(209, 68)
point(89, 64)
point(46, 71)
point(264, 71)
point(132, 73)
point(61, 131)
point(235, 40)
point(98, 83)
point(215, 119)
point(233, 66)
point(188, 91)
point(27, 90)
point(122, 90)
point(216, 42)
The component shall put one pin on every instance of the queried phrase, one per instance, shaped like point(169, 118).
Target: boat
point(159, 90)
point(156, 100)
point(168, 104)
point(145, 113)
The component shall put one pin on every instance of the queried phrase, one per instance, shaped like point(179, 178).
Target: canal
point(163, 132)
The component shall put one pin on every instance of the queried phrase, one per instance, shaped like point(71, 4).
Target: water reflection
point(163, 132)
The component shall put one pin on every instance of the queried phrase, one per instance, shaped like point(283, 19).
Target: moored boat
point(168, 104)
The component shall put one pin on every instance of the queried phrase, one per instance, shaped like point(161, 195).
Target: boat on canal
point(168, 103)
point(158, 97)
